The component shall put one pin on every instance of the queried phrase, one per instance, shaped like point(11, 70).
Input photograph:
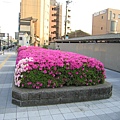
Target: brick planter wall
point(48, 96)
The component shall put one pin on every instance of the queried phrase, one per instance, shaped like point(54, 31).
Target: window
point(113, 16)
point(101, 28)
point(54, 8)
point(118, 16)
point(102, 17)
point(113, 26)
point(20, 38)
point(67, 33)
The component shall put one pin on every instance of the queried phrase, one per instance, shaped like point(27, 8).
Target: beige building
point(106, 21)
point(39, 10)
point(55, 28)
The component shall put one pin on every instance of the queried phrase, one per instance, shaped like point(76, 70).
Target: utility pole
point(0, 44)
point(8, 38)
point(0, 39)
point(67, 2)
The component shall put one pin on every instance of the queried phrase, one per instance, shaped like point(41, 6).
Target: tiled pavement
point(108, 109)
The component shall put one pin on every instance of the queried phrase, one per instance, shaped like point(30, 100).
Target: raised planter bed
point(48, 96)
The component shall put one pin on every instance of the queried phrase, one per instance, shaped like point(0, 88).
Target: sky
point(9, 10)
point(81, 13)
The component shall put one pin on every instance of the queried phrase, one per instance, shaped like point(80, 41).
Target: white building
point(67, 19)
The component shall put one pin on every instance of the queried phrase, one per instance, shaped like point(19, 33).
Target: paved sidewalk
point(108, 109)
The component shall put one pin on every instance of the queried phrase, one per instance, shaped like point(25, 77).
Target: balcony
point(54, 32)
point(55, 14)
point(69, 16)
point(68, 27)
point(54, 20)
point(54, 26)
point(68, 22)
point(69, 10)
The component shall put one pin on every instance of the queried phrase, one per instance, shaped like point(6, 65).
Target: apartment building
point(55, 26)
point(106, 21)
point(37, 11)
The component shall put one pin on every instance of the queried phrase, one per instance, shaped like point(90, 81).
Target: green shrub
point(45, 46)
point(41, 68)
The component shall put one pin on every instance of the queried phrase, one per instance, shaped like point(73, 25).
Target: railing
point(108, 38)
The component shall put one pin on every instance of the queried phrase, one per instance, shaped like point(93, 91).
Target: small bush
point(18, 46)
point(41, 68)
point(45, 46)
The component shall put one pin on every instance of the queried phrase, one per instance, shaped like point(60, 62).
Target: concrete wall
point(108, 53)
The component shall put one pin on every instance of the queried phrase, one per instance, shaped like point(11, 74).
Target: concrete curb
point(31, 97)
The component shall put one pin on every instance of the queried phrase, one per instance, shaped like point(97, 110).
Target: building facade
point(67, 20)
point(55, 26)
point(106, 21)
point(39, 10)
point(27, 31)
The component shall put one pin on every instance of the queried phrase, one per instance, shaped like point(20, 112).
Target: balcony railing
point(69, 10)
point(68, 21)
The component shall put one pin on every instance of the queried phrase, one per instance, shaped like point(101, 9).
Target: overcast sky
point(82, 10)
point(9, 10)
point(81, 13)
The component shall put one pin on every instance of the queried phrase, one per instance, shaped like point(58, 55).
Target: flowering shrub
point(40, 68)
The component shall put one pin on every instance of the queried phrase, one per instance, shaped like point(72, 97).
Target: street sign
point(2, 34)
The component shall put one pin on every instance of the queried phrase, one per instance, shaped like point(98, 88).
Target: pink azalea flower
point(34, 86)
point(37, 87)
point(41, 84)
point(22, 85)
point(81, 76)
point(45, 71)
point(77, 73)
point(90, 80)
point(87, 84)
point(38, 83)
point(29, 83)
